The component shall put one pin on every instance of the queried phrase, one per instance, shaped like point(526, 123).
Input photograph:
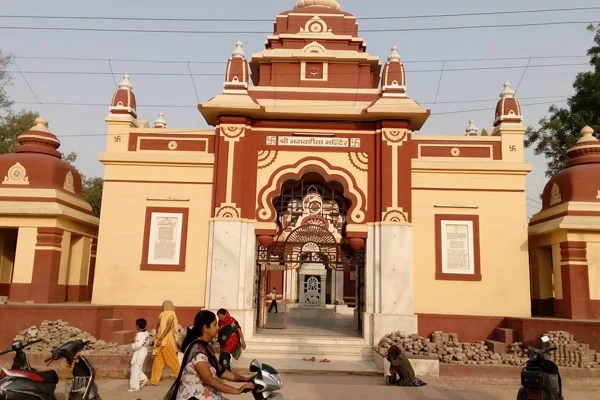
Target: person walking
point(273, 300)
point(231, 338)
point(165, 349)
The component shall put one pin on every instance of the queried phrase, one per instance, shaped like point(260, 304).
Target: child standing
point(140, 351)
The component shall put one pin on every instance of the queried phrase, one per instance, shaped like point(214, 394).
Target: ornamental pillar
point(575, 302)
point(389, 267)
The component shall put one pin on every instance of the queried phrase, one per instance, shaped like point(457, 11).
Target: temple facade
point(315, 183)
point(564, 239)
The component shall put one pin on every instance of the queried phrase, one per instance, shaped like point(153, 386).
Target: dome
point(320, 3)
point(37, 164)
point(123, 101)
point(508, 109)
point(573, 182)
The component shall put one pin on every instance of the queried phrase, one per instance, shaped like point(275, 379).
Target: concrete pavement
point(352, 388)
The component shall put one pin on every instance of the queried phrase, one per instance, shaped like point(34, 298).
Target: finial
point(323, 3)
point(587, 135)
point(125, 83)
point(41, 125)
point(160, 122)
point(472, 129)
point(239, 50)
point(507, 93)
point(394, 55)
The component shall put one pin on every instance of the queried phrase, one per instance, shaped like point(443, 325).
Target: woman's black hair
point(202, 319)
point(222, 311)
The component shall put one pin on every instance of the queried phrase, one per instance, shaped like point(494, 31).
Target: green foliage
point(12, 125)
point(561, 130)
point(5, 80)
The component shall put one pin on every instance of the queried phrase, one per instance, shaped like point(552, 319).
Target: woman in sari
point(201, 376)
point(165, 349)
point(231, 338)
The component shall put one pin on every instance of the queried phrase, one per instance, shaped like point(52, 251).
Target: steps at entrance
point(297, 347)
point(111, 330)
point(502, 338)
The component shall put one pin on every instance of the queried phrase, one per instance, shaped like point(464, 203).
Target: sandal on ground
point(325, 360)
point(309, 359)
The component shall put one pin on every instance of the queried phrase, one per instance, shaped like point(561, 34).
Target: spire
point(124, 101)
point(472, 130)
point(160, 122)
point(394, 55)
point(507, 92)
point(322, 3)
point(239, 50)
point(39, 139)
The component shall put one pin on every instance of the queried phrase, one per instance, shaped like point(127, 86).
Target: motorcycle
point(28, 384)
point(540, 379)
point(266, 382)
point(21, 381)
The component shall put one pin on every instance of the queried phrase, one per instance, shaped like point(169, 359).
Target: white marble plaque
point(458, 255)
point(165, 238)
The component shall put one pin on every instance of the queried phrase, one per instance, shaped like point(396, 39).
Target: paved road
point(351, 388)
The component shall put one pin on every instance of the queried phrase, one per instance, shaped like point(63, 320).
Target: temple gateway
point(314, 184)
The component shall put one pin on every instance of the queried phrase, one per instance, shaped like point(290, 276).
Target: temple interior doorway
point(310, 268)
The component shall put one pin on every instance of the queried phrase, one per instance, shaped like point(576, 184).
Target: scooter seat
point(49, 376)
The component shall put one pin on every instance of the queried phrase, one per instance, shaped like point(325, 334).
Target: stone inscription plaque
point(457, 247)
point(165, 239)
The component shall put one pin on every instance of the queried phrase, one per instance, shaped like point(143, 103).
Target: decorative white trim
point(303, 72)
point(16, 175)
point(69, 184)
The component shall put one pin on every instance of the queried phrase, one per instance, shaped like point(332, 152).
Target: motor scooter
point(266, 382)
point(21, 381)
point(25, 383)
point(540, 379)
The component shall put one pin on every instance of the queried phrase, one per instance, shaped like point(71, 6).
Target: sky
point(469, 92)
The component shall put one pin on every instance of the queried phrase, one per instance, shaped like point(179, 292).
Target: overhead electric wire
point(133, 60)
point(290, 73)
point(194, 130)
point(375, 18)
point(208, 32)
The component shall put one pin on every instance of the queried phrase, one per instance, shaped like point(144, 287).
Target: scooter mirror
point(255, 366)
point(545, 339)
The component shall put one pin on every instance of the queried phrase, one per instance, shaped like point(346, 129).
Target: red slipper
point(325, 360)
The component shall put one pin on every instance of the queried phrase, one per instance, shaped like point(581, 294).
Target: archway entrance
point(310, 278)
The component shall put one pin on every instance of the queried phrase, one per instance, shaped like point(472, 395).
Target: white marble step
point(308, 340)
point(294, 366)
point(299, 347)
point(318, 353)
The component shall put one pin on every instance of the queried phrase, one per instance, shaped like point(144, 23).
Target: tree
point(561, 130)
point(5, 80)
point(91, 186)
point(12, 125)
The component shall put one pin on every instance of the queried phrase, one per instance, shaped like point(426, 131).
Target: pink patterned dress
point(191, 384)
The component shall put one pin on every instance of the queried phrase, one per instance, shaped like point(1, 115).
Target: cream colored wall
point(63, 271)
point(504, 289)
point(593, 256)
point(25, 254)
point(118, 278)
point(79, 260)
